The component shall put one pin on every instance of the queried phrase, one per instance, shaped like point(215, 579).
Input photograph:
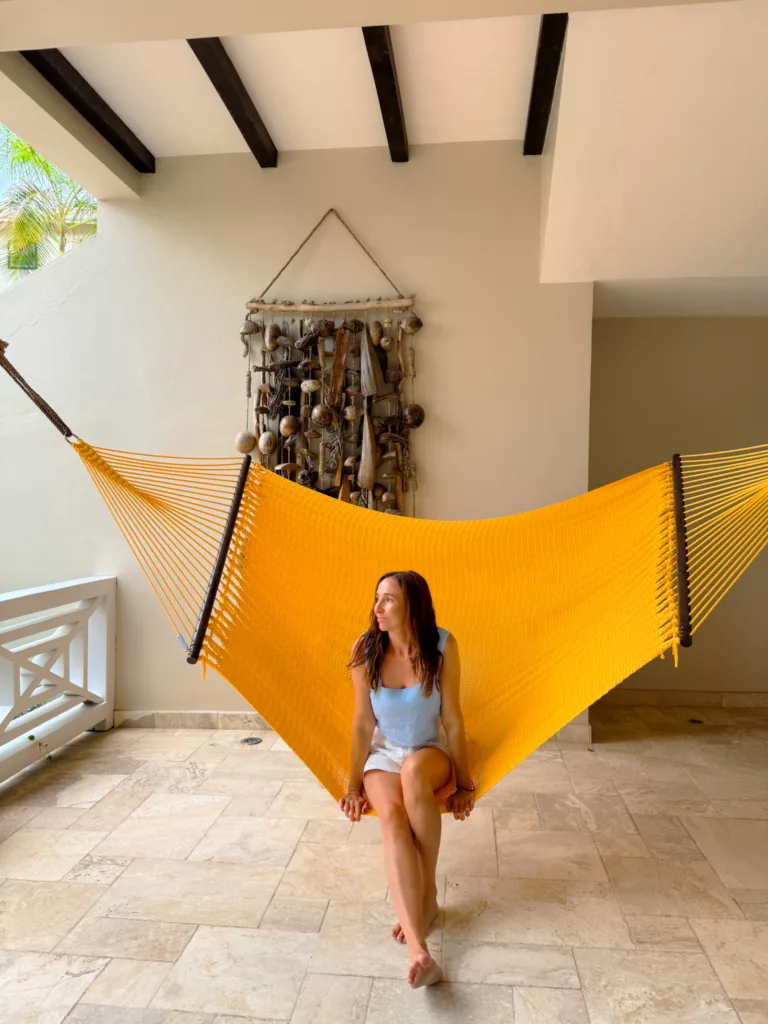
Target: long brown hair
point(374, 643)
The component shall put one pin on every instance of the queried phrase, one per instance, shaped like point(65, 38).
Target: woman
point(409, 751)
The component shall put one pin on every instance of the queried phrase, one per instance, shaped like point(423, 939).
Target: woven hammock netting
point(551, 608)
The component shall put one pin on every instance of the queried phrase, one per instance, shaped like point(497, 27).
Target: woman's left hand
point(460, 803)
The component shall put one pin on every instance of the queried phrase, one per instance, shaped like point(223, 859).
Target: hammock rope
point(552, 608)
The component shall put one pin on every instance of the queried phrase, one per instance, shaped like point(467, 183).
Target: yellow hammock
point(551, 608)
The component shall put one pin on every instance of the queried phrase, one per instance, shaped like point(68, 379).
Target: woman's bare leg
point(401, 860)
point(422, 773)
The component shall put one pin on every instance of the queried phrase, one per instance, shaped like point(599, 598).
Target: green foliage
point(43, 212)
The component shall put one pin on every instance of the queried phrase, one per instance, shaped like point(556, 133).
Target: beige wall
point(687, 385)
point(133, 338)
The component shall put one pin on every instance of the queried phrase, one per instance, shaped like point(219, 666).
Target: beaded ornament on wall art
point(330, 399)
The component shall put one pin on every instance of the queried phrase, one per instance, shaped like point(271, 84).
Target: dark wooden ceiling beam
point(70, 84)
point(378, 43)
point(218, 65)
point(548, 56)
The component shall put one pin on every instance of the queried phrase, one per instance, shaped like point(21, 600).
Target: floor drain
point(251, 741)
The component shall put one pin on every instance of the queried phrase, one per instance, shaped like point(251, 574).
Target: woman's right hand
point(354, 804)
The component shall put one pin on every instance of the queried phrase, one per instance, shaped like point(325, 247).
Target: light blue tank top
point(405, 716)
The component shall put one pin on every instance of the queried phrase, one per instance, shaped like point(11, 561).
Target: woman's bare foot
point(424, 971)
point(431, 914)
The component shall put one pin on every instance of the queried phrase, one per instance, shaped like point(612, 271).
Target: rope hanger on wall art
point(330, 409)
point(349, 230)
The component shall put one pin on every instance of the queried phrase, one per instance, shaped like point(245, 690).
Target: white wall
point(661, 386)
point(133, 338)
point(660, 169)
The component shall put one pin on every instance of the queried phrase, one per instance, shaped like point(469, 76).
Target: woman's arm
point(363, 724)
point(453, 719)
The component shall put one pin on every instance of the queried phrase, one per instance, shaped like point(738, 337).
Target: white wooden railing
point(57, 667)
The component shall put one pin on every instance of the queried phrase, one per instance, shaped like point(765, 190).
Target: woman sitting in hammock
point(409, 751)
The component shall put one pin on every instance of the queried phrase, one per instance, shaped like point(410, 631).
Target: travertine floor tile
point(666, 837)
point(90, 1013)
point(195, 893)
point(44, 854)
point(128, 983)
point(736, 849)
point(165, 825)
point(621, 846)
point(249, 797)
point(58, 817)
point(530, 777)
point(468, 847)
point(239, 971)
point(131, 939)
point(224, 742)
point(639, 987)
point(306, 800)
point(603, 765)
point(267, 767)
point(13, 817)
point(88, 790)
point(37, 915)
point(110, 811)
point(672, 933)
point(168, 748)
point(753, 902)
point(324, 871)
point(97, 870)
point(320, 831)
point(664, 798)
point(394, 1002)
point(504, 963)
point(294, 915)
point(518, 814)
point(685, 888)
point(356, 939)
point(39, 988)
point(267, 849)
point(670, 748)
point(549, 1005)
point(596, 813)
point(325, 999)
point(168, 777)
point(751, 1011)
point(365, 832)
point(730, 783)
point(265, 841)
point(534, 911)
point(742, 808)
point(739, 954)
point(549, 855)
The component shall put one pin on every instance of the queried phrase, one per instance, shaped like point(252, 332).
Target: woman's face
point(389, 606)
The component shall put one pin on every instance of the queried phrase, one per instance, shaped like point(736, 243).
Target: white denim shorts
point(387, 756)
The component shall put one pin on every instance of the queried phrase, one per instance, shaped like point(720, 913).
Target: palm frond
point(43, 212)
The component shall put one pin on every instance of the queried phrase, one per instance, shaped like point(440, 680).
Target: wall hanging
point(330, 392)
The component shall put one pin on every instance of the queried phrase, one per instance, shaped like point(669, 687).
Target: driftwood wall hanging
point(330, 393)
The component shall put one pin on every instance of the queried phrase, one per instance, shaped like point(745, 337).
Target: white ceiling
point(659, 162)
point(459, 81)
point(163, 95)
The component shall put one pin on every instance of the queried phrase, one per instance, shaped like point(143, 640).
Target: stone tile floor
point(179, 877)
